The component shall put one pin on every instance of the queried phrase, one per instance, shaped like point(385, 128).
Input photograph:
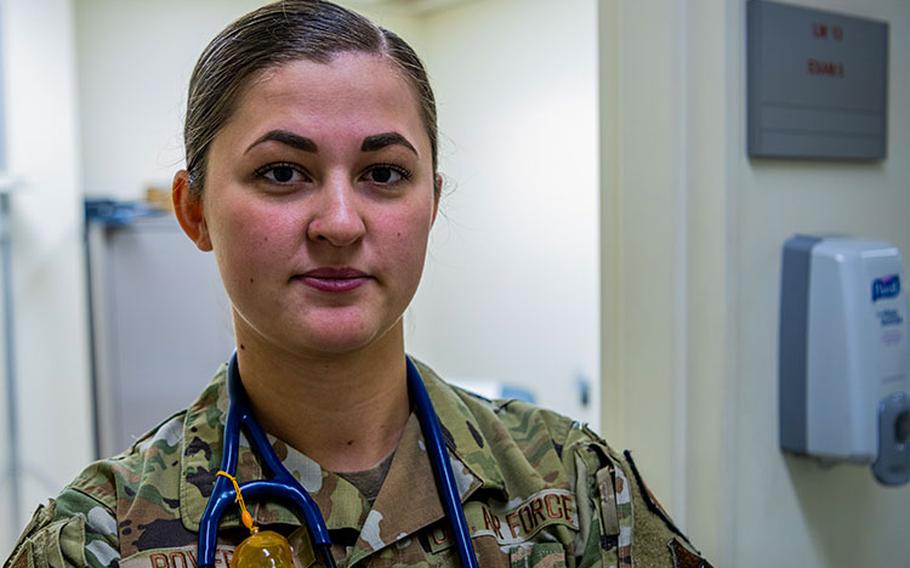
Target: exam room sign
point(817, 84)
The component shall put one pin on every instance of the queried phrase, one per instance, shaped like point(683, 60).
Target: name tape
point(179, 557)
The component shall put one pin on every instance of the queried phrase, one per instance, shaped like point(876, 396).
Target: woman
point(312, 176)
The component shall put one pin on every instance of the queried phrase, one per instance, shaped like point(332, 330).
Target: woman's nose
point(336, 219)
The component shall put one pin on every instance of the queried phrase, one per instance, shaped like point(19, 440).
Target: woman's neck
point(347, 412)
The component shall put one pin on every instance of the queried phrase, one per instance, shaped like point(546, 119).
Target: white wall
point(48, 286)
point(135, 59)
point(511, 288)
point(703, 416)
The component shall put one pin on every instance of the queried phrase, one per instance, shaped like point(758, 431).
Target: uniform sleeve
point(621, 523)
point(72, 530)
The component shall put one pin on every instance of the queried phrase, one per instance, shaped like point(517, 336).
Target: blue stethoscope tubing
point(280, 484)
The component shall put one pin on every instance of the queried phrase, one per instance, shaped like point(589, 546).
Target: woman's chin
point(316, 333)
point(342, 337)
point(337, 345)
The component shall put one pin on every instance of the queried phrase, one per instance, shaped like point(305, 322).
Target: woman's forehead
point(353, 91)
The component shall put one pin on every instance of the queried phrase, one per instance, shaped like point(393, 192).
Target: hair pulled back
point(285, 31)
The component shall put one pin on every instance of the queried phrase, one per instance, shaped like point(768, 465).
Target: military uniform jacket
point(538, 490)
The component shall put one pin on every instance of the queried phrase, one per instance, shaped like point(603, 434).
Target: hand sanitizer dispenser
point(844, 356)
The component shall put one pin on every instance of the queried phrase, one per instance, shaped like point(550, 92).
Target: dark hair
point(278, 33)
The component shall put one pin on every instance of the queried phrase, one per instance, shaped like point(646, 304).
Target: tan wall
point(686, 207)
point(824, 518)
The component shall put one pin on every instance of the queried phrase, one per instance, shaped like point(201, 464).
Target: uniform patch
point(685, 558)
point(513, 523)
point(651, 501)
point(22, 560)
point(178, 557)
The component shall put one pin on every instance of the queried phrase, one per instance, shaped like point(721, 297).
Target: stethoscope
point(283, 485)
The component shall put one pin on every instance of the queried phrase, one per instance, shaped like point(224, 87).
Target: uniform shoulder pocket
point(42, 517)
point(627, 524)
point(60, 544)
point(603, 489)
point(537, 555)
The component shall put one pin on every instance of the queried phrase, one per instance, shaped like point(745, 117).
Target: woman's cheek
point(408, 245)
point(253, 227)
point(244, 249)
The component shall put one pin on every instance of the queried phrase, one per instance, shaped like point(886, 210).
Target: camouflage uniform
point(538, 490)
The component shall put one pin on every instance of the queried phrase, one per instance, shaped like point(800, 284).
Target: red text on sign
point(826, 68)
point(824, 31)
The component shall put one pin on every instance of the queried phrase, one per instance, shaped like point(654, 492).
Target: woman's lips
point(328, 279)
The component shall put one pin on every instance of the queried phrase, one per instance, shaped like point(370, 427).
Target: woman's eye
point(386, 175)
point(283, 174)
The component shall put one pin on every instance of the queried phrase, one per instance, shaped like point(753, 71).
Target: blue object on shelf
point(117, 213)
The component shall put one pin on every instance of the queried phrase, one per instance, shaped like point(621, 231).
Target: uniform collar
point(401, 503)
point(464, 436)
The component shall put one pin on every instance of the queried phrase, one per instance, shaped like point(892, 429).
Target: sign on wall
point(817, 84)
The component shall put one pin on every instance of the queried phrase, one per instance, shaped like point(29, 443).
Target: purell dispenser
point(844, 356)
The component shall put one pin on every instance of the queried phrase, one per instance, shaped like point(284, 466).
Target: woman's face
point(318, 204)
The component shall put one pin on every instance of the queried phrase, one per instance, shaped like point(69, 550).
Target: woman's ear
point(437, 194)
point(190, 211)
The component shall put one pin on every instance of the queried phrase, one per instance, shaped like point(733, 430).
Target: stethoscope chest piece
point(263, 549)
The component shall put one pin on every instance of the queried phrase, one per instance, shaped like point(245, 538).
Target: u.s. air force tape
point(514, 522)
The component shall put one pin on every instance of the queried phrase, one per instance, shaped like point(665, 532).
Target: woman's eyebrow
point(283, 136)
point(380, 141)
